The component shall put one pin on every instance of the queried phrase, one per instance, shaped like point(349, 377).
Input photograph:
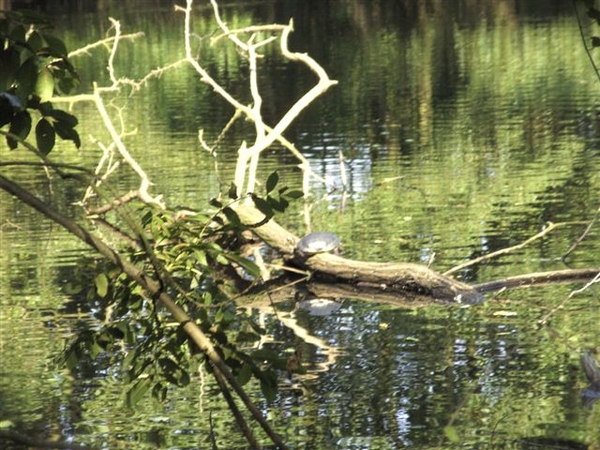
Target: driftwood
point(397, 283)
point(400, 278)
point(539, 278)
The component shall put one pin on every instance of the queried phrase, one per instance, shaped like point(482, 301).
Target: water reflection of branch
point(303, 333)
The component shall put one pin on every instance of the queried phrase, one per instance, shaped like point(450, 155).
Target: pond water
point(465, 126)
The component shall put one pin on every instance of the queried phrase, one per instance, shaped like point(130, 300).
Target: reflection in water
point(591, 394)
point(466, 126)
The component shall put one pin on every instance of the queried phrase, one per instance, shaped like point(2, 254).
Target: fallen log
point(411, 282)
point(539, 278)
point(402, 278)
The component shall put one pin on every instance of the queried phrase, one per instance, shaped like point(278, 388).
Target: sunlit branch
point(549, 227)
point(86, 50)
point(265, 136)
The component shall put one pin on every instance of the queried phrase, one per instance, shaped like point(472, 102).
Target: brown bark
point(400, 278)
point(409, 283)
point(539, 278)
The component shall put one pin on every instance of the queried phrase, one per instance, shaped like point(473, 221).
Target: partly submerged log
point(410, 282)
point(401, 278)
point(540, 278)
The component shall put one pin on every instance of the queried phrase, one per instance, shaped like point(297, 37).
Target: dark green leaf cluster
point(34, 66)
point(274, 201)
point(193, 259)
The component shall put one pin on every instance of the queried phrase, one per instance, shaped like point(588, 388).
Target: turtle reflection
point(591, 394)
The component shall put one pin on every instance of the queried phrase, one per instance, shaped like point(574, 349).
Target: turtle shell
point(318, 242)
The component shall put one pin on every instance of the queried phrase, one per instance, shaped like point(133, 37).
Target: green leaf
point(295, 194)
point(65, 75)
point(263, 206)
point(36, 41)
point(232, 216)
point(44, 86)
point(68, 134)
point(138, 390)
point(221, 259)
point(216, 203)
point(249, 266)
point(246, 337)
point(101, 282)
point(232, 192)
point(95, 350)
point(277, 205)
point(201, 259)
point(56, 47)
point(173, 372)
point(268, 385)
point(272, 181)
point(64, 126)
point(10, 63)
point(45, 108)
point(20, 126)
point(26, 78)
point(244, 374)
point(63, 117)
point(451, 434)
point(44, 136)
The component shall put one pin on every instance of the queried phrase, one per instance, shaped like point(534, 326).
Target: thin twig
point(562, 304)
point(549, 227)
point(153, 288)
point(582, 237)
point(103, 42)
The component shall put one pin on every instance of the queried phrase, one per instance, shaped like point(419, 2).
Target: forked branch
point(247, 163)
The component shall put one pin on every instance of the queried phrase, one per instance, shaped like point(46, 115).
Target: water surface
point(465, 129)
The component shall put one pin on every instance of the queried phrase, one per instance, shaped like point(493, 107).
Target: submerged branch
point(537, 278)
point(401, 278)
point(410, 283)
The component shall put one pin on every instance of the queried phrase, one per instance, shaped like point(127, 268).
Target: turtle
point(318, 242)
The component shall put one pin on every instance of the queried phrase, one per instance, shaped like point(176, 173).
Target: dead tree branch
point(153, 289)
